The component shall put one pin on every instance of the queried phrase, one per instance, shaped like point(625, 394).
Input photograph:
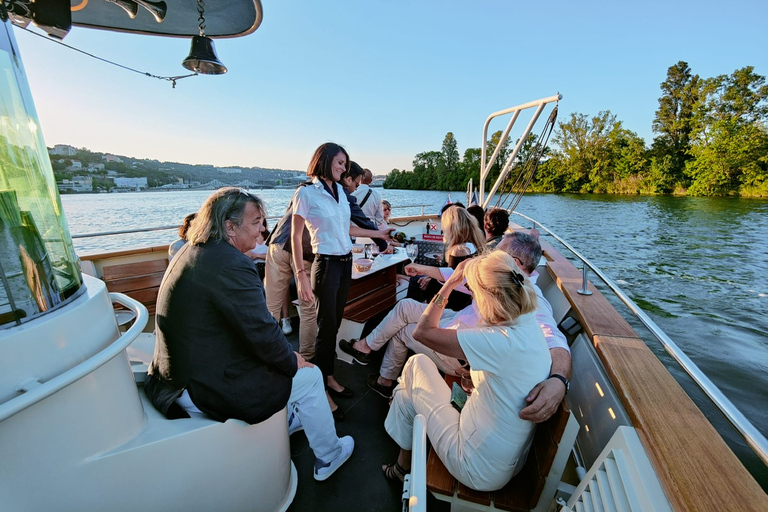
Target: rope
point(171, 79)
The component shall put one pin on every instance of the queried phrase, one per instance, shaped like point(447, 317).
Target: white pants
point(423, 391)
point(310, 403)
point(397, 328)
point(277, 279)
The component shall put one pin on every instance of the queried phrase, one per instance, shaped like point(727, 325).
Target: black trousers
point(456, 300)
point(331, 278)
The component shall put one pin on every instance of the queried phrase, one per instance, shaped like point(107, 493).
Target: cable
point(171, 79)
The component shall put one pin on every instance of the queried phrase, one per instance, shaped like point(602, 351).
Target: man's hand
point(543, 400)
point(413, 269)
point(302, 362)
point(424, 282)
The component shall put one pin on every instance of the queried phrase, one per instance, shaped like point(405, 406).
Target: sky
point(386, 79)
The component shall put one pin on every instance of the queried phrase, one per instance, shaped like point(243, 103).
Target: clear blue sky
point(386, 79)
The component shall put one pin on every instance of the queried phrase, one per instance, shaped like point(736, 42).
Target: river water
point(697, 266)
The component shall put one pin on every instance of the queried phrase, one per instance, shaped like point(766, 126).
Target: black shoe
point(359, 357)
point(373, 383)
point(344, 393)
point(338, 414)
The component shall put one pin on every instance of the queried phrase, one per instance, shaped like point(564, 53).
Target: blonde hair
point(223, 205)
point(459, 227)
point(501, 290)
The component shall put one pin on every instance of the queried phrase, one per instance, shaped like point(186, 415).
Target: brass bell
point(202, 57)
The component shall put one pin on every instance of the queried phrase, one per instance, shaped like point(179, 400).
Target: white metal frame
point(486, 164)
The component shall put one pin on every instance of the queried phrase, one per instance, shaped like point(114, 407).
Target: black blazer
point(216, 338)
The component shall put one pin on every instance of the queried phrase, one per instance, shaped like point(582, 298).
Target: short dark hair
point(321, 164)
point(353, 172)
point(496, 221)
point(446, 206)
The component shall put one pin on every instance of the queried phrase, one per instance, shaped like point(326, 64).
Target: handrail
point(176, 226)
point(417, 487)
point(756, 441)
point(35, 391)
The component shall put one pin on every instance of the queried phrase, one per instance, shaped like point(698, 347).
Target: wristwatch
point(561, 379)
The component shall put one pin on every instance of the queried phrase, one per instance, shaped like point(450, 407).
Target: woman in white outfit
point(485, 444)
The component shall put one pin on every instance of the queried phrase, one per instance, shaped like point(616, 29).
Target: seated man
point(218, 351)
point(495, 224)
point(398, 326)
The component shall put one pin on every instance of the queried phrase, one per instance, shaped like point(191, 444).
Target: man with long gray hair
point(218, 350)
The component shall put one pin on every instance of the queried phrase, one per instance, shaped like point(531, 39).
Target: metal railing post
point(584, 290)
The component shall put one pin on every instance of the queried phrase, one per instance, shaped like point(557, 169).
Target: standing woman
point(323, 207)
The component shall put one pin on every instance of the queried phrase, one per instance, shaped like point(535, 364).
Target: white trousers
point(423, 391)
point(308, 400)
point(397, 328)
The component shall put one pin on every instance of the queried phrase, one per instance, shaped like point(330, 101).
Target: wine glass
point(466, 382)
point(412, 250)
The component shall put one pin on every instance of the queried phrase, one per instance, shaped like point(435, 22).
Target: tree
point(674, 118)
point(730, 150)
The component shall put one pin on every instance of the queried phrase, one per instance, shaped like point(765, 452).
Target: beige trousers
point(277, 279)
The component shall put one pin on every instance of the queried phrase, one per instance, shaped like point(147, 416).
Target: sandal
point(394, 471)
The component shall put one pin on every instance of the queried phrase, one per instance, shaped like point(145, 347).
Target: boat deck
point(359, 484)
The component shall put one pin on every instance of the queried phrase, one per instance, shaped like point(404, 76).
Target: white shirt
point(507, 362)
point(372, 207)
point(328, 222)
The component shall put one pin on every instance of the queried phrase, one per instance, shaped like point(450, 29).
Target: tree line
point(710, 139)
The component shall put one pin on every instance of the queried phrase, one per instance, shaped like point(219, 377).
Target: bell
point(202, 57)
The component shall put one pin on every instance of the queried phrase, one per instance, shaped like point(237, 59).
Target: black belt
point(331, 257)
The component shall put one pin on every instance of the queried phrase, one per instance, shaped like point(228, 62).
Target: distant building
point(64, 150)
point(130, 183)
point(229, 170)
point(95, 167)
point(112, 158)
point(76, 164)
point(76, 184)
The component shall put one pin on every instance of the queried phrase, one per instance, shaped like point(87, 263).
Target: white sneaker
point(325, 469)
point(286, 325)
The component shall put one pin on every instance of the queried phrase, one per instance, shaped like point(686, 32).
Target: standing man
point(369, 200)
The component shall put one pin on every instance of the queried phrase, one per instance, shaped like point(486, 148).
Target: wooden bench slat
point(135, 283)
point(439, 480)
point(467, 494)
point(141, 268)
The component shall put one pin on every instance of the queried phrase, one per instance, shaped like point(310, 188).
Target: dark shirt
point(216, 339)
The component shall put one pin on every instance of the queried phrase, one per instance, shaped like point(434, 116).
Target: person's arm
point(547, 395)
point(239, 295)
point(381, 235)
point(358, 217)
point(428, 331)
point(415, 269)
point(303, 285)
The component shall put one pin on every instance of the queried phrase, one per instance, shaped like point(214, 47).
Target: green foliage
point(711, 140)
